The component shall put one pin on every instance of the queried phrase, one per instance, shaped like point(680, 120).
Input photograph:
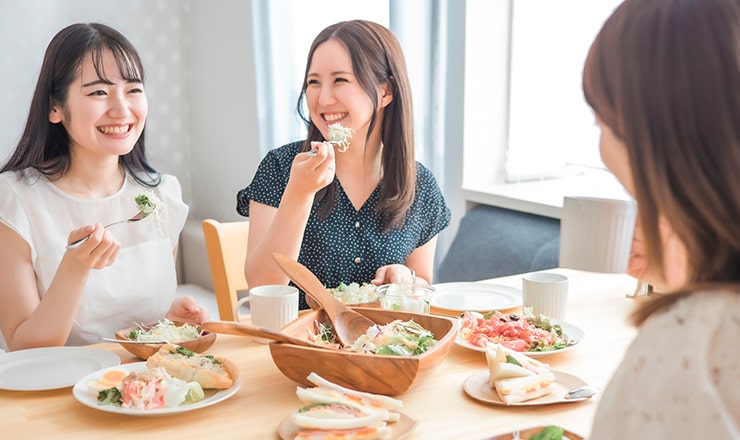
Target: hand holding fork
point(135, 218)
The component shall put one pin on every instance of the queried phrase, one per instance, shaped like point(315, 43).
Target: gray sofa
point(493, 242)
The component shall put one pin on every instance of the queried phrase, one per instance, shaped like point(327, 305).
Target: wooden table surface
point(596, 304)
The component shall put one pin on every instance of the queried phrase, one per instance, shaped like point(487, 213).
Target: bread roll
point(209, 371)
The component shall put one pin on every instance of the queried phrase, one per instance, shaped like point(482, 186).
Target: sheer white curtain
point(284, 30)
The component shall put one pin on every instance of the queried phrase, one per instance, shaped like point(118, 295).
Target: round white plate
point(287, 429)
point(480, 297)
point(477, 387)
point(85, 396)
point(574, 333)
point(50, 368)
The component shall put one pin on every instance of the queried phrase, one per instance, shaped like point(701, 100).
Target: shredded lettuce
point(398, 338)
point(165, 330)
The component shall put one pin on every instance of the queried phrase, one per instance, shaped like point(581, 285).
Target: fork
point(135, 218)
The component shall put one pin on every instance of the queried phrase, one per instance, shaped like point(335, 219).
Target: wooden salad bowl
point(143, 351)
point(379, 374)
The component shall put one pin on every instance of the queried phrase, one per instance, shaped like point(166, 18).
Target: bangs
point(129, 64)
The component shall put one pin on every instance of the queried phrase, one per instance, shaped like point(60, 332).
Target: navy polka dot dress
point(348, 246)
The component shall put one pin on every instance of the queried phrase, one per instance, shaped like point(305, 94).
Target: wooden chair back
point(226, 243)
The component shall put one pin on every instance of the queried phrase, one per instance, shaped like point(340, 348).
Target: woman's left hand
point(393, 273)
point(186, 309)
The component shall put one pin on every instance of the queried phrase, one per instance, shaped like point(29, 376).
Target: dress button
point(357, 224)
point(357, 260)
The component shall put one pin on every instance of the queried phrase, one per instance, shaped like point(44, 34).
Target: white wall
point(223, 106)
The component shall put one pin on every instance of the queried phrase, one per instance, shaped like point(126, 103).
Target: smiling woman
point(82, 154)
point(370, 214)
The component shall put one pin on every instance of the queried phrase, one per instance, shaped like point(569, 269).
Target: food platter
point(477, 387)
point(51, 368)
point(85, 396)
point(399, 430)
point(455, 298)
point(574, 333)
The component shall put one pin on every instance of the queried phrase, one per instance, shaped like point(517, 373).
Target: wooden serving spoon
point(240, 329)
point(348, 324)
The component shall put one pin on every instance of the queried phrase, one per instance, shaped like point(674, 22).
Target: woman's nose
point(326, 96)
point(119, 107)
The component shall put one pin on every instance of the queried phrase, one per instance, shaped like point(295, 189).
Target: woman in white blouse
point(663, 79)
point(79, 164)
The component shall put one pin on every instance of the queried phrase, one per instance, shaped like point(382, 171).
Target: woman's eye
point(341, 80)
point(97, 93)
point(136, 90)
point(312, 82)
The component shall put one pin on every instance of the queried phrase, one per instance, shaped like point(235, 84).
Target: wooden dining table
point(437, 402)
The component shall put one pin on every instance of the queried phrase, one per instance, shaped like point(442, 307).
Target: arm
point(281, 229)
point(421, 260)
point(28, 321)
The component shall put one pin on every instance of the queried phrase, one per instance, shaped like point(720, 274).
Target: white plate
point(83, 394)
point(287, 429)
point(50, 368)
point(480, 297)
point(574, 333)
point(477, 387)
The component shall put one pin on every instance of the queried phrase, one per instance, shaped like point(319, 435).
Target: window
point(525, 116)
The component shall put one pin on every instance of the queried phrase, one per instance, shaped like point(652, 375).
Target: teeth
point(334, 117)
point(121, 129)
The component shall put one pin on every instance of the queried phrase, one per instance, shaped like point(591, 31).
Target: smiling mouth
point(334, 117)
point(114, 130)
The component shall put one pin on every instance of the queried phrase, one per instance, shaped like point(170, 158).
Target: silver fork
point(138, 216)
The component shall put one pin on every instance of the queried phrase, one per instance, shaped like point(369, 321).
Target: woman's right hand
point(312, 172)
point(98, 251)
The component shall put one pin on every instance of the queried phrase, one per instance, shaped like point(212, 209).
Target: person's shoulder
point(169, 180)
point(287, 151)
point(24, 177)
point(423, 173)
point(425, 178)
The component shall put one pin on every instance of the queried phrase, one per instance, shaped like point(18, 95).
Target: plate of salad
point(526, 333)
point(170, 395)
point(355, 293)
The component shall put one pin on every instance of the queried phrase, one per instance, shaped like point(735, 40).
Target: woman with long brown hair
point(366, 212)
point(663, 78)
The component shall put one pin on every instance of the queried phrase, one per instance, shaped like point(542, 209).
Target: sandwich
point(209, 371)
point(516, 377)
point(333, 411)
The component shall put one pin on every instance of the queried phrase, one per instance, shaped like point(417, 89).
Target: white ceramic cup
point(271, 306)
point(546, 293)
point(596, 234)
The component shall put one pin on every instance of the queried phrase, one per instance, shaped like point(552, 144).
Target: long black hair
point(45, 146)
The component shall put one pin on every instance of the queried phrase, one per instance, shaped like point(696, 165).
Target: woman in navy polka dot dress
point(370, 213)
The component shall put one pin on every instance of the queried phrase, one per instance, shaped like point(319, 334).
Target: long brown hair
point(377, 59)
point(665, 77)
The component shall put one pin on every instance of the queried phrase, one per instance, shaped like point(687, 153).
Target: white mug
point(596, 234)
point(271, 306)
point(546, 293)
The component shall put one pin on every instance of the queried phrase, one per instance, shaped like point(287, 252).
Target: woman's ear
point(55, 115)
point(386, 95)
